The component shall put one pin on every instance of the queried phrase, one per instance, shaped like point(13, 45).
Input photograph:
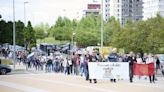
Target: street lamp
point(73, 34)
point(25, 12)
point(102, 24)
point(14, 32)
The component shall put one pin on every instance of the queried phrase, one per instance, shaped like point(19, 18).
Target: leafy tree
point(41, 30)
point(29, 33)
point(20, 33)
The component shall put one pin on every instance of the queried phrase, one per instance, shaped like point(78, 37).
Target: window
point(130, 1)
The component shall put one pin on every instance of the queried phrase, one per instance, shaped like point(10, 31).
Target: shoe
point(131, 81)
point(90, 81)
point(95, 82)
point(114, 80)
point(111, 80)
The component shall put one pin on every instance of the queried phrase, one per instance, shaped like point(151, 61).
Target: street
point(51, 82)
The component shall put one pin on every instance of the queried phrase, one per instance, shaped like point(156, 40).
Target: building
point(152, 7)
point(94, 9)
point(107, 10)
point(124, 10)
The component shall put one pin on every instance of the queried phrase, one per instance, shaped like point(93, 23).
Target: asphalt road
point(51, 82)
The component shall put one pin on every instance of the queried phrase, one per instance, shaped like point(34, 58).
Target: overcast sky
point(46, 11)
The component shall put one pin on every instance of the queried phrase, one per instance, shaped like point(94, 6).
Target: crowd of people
point(75, 64)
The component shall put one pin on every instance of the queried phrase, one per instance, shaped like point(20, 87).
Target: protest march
point(92, 65)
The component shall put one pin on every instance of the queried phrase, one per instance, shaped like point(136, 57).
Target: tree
point(29, 33)
point(5, 32)
point(112, 26)
point(141, 36)
point(62, 30)
point(41, 30)
point(20, 33)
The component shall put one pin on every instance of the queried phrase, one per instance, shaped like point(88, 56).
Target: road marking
point(21, 87)
point(72, 84)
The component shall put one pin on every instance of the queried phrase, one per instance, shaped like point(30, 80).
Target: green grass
point(50, 40)
point(6, 62)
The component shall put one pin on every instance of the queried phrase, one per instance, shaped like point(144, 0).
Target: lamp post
point(102, 24)
point(14, 33)
point(25, 12)
point(73, 34)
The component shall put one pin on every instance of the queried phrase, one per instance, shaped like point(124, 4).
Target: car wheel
point(3, 71)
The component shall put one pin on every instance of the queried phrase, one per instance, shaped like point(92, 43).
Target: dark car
point(4, 69)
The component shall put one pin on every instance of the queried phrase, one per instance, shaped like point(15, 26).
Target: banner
point(108, 70)
point(143, 69)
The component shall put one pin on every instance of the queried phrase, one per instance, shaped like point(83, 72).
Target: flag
point(143, 69)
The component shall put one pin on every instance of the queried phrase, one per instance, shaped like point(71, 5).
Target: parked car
point(4, 69)
point(161, 59)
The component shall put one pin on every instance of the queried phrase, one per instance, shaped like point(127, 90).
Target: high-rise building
point(152, 7)
point(124, 10)
point(107, 10)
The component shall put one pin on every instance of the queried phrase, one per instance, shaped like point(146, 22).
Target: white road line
point(71, 84)
point(21, 87)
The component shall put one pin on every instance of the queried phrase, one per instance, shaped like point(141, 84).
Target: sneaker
point(90, 81)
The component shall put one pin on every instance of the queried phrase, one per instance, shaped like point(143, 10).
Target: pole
point(25, 13)
point(102, 24)
point(14, 33)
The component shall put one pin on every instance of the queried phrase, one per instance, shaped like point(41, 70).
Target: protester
point(82, 64)
point(49, 65)
point(76, 64)
point(139, 59)
point(157, 64)
point(69, 60)
point(131, 59)
point(113, 57)
point(150, 59)
point(93, 58)
point(86, 71)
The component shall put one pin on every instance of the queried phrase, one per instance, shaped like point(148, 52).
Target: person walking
point(86, 71)
point(157, 64)
point(93, 58)
point(113, 57)
point(131, 59)
point(150, 59)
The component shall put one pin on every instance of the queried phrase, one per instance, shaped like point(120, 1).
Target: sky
point(45, 11)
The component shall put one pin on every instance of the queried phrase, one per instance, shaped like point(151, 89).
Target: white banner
point(108, 70)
